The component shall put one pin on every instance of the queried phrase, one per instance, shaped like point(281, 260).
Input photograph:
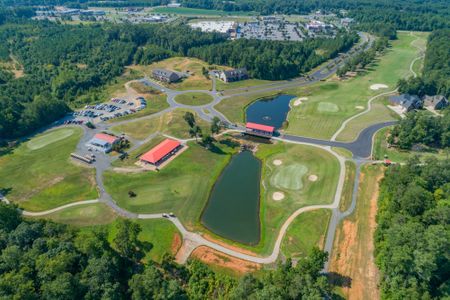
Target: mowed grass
point(194, 98)
point(308, 230)
point(181, 187)
point(242, 84)
point(45, 177)
point(234, 107)
point(311, 119)
point(84, 215)
point(196, 11)
point(195, 80)
point(171, 123)
point(397, 155)
point(347, 191)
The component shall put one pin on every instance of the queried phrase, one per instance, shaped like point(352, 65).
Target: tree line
point(422, 128)
point(412, 238)
point(45, 260)
point(274, 60)
point(435, 77)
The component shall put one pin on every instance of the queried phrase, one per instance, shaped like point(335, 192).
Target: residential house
point(233, 75)
point(436, 102)
point(408, 102)
point(165, 75)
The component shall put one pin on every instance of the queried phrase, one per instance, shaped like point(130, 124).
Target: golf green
point(289, 177)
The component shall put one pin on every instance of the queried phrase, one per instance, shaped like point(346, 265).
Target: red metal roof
point(106, 137)
point(161, 150)
point(260, 127)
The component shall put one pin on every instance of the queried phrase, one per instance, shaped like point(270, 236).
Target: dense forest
point(435, 77)
point(274, 60)
point(422, 128)
point(412, 239)
point(45, 260)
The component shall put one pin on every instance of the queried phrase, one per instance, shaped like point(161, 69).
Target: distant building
point(165, 75)
point(408, 102)
point(103, 142)
point(259, 130)
point(317, 26)
point(346, 21)
point(436, 102)
point(91, 12)
point(161, 152)
point(233, 75)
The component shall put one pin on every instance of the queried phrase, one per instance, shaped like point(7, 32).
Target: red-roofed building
point(103, 142)
point(259, 129)
point(161, 152)
point(106, 137)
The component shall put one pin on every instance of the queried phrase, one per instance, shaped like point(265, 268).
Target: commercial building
point(165, 75)
point(259, 129)
point(233, 75)
point(161, 152)
point(103, 142)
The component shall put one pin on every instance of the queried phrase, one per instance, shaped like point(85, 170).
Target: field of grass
point(380, 149)
point(234, 107)
point(195, 11)
point(307, 231)
point(308, 119)
point(192, 66)
point(182, 186)
point(347, 192)
point(84, 215)
point(224, 86)
point(39, 174)
point(352, 255)
point(194, 98)
point(171, 123)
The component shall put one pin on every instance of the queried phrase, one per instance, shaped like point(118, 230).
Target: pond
point(272, 112)
point(233, 207)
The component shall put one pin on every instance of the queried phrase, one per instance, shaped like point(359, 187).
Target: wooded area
point(413, 237)
point(45, 260)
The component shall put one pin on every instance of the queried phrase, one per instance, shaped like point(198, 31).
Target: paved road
point(360, 148)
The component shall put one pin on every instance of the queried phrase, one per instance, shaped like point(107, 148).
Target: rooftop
point(161, 150)
point(261, 127)
point(106, 137)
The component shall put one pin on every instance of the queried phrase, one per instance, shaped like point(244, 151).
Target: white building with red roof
point(161, 152)
point(103, 142)
point(259, 129)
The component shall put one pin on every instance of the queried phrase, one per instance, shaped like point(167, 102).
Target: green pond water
point(233, 207)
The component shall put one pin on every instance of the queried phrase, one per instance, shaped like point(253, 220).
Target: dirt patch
point(235, 248)
point(359, 107)
point(353, 257)
point(176, 244)
point(277, 162)
point(278, 196)
point(213, 257)
point(312, 178)
point(299, 101)
point(378, 86)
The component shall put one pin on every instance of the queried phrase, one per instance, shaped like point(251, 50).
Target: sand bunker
point(299, 101)
point(278, 196)
point(312, 177)
point(277, 162)
point(359, 107)
point(377, 86)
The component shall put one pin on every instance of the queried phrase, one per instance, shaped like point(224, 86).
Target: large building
point(165, 75)
point(233, 75)
point(259, 129)
point(103, 142)
point(436, 102)
point(406, 101)
point(161, 152)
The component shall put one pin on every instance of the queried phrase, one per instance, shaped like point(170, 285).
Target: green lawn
point(223, 86)
point(196, 11)
point(347, 192)
point(84, 215)
point(347, 96)
point(171, 123)
point(194, 98)
point(307, 231)
point(380, 149)
point(182, 186)
point(39, 174)
point(234, 107)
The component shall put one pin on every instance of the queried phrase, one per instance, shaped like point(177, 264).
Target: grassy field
point(347, 192)
point(194, 98)
point(171, 123)
point(380, 149)
point(196, 11)
point(352, 256)
point(39, 174)
point(182, 186)
point(330, 103)
point(192, 66)
point(234, 107)
point(84, 215)
point(224, 86)
point(308, 230)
